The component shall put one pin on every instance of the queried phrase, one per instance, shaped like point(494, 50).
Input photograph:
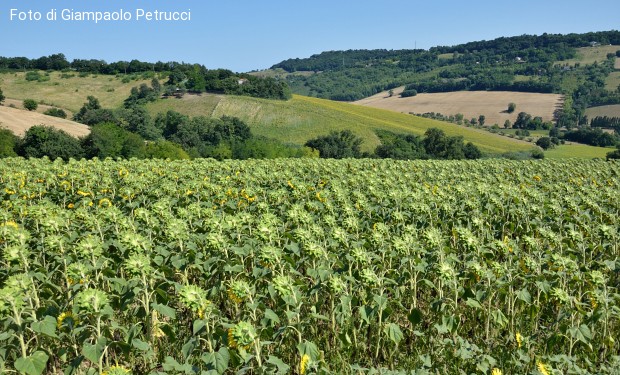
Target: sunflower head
point(241, 335)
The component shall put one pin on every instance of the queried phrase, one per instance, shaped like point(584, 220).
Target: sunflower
point(303, 364)
point(67, 319)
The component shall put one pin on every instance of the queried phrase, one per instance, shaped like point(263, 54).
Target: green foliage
point(2, 97)
point(439, 146)
point(83, 114)
point(8, 143)
point(109, 140)
point(544, 143)
point(47, 141)
point(56, 112)
point(511, 107)
point(33, 76)
point(409, 93)
point(30, 104)
point(591, 136)
point(399, 146)
point(164, 150)
point(337, 145)
point(614, 154)
point(309, 267)
point(481, 120)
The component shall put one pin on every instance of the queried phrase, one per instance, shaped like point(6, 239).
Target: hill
point(303, 118)
point(528, 63)
point(20, 120)
point(471, 104)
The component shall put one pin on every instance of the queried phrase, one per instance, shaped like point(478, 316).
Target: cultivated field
point(590, 55)
point(605, 110)
point(306, 266)
point(20, 120)
point(491, 104)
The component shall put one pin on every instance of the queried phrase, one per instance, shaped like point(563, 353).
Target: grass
point(605, 110)
point(191, 105)
point(68, 93)
point(577, 151)
point(303, 118)
point(589, 55)
point(613, 81)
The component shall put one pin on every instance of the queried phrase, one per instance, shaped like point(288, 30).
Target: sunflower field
point(309, 267)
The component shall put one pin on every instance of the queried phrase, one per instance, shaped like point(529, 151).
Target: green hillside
point(303, 118)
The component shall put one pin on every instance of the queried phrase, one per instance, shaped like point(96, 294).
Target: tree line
point(182, 76)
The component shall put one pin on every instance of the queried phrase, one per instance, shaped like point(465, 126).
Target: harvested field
point(19, 121)
point(605, 110)
point(491, 104)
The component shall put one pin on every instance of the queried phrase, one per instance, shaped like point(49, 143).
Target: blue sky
point(253, 34)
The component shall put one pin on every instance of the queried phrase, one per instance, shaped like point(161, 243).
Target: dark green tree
point(614, 154)
point(2, 97)
point(92, 105)
point(56, 112)
point(511, 107)
point(471, 151)
point(337, 145)
point(41, 140)
point(30, 104)
point(481, 120)
point(544, 143)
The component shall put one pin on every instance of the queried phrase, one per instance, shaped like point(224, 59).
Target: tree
point(507, 124)
point(471, 151)
point(56, 112)
point(511, 107)
point(110, 140)
point(523, 120)
point(614, 154)
point(41, 140)
point(165, 150)
point(91, 105)
point(8, 143)
point(391, 93)
point(2, 97)
point(337, 145)
point(30, 104)
point(481, 120)
point(544, 143)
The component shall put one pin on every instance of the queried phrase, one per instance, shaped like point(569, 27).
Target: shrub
point(30, 104)
point(56, 112)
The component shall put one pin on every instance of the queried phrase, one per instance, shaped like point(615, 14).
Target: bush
point(43, 140)
point(31, 104)
point(544, 143)
point(537, 154)
point(511, 107)
point(2, 97)
point(614, 154)
point(56, 112)
point(408, 93)
point(8, 143)
point(33, 76)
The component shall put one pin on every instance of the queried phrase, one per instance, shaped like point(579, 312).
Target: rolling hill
point(471, 104)
point(303, 118)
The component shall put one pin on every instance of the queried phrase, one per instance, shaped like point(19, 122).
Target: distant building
point(242, 81)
